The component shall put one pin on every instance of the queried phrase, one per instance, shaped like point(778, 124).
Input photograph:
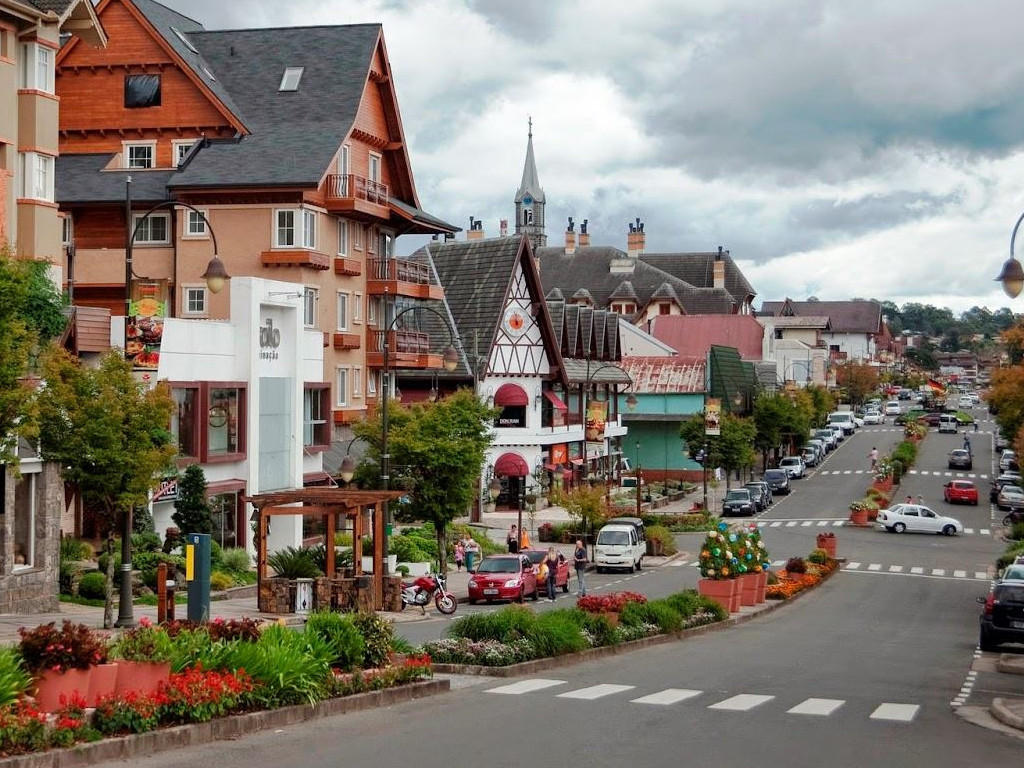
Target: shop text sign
point(270, 340)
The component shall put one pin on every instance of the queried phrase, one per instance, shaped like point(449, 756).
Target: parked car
point(960, 459)
point(965, 401)
point(1008, 460)
point(892, 408)
point(960, 492)
point(828, 437)
point(999, 482)
point(758, 496)
point(1002, 618)
point(843, 419)
point(820, 445)
point(778, 480)
point(917, 518)
point(794, 466)
point(873, 417)
point(561, 572)
point(503, 577)
point(738, 502)
point(1001, 442)
point(810, 455)
point(1010, 497)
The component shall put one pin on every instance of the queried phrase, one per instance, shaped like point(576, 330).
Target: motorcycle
point(1015, 516)
point(430, 585)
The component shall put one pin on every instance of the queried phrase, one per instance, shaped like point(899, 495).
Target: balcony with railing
point(356, 197)
point(406, 349)
point(401, 277)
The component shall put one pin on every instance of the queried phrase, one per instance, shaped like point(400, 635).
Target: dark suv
point(1002, 618)
point(738, 502)
point(778, 480)
point(758, 496)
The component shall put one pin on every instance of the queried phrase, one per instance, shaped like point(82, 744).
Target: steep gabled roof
point(854, 316)
point(76, 17)
point(698, 269)
point(81, 179)
point(694, 335)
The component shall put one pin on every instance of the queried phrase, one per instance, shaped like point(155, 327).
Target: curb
point(1001, 712)
point(539, 665)
point(1010, 664)
point(166, 739)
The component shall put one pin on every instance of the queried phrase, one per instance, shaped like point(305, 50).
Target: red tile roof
point(693, 335)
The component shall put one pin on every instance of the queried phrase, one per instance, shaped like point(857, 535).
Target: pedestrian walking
point(975, 425)
point(967, 444)
point(472, 552)
point(579, 559)
point(460, 554)
point(873, 455)
point(513, 539)
point(551, 561)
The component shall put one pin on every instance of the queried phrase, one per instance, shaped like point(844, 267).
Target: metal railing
point(348, 185)
point(415, 342)
point(398, 269)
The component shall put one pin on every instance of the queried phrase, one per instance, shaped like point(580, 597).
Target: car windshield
point(755, 490)
point(1012, 490)
point(774, 474)
point(737, 496)
point(1014, 572)
point(499, 565)
point(536, 555)
point(789, 462)
point(613, 537)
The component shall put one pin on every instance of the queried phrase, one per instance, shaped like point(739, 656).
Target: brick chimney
point(584, 235)
point(636, 239)
point(476, 230)
point(503, 228)
point(718, 271)
point(570, 238)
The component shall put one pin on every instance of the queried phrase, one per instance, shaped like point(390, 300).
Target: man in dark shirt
point(579, 559)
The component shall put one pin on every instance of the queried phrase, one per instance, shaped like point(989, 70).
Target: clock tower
point(530, 199)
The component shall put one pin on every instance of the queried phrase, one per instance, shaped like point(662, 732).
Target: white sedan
point(873, 417)
point(917, 518)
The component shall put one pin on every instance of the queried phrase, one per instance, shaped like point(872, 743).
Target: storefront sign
point(559, 453)
point(270, 340)
point(168, 490)
point(144, 326)
point(713, 417)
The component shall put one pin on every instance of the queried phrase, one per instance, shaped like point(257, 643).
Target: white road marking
point(778, 563)
point(938, 572)
point(838, 523)
point(668, 696)
point(819, 707)
point(875, 567)
point(984, 532)
point(822, 523)
point(847, 472)
point(852, 566)
point(917, 569)
point(806, 524)
point(913, 471)
point(895, 569)
point(959, 574)
point(742, 703)
point(526, 686)
point(901, 713)
point(791, 524)
point(968, 530)
point(980, 575)
point(596, 691)
point(774, 525)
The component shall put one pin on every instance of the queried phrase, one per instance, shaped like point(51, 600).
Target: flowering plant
point(884, 468)
point(864, 505)
point(131, 712)
point(613, 602)
point(719, 556)
point(197, 695)
point(73, 646)
point(146, 642)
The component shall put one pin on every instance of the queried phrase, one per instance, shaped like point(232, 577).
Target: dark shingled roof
point(295, 134)
point(858, 316)
point(698, 270)
point(81, 179)
point(57, 6)
point(589, 267)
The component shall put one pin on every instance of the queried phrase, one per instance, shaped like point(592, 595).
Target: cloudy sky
point(838, 149)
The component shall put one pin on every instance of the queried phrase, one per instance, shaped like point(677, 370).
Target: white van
point(843, 420)
point(619, 545)
point(948, 423)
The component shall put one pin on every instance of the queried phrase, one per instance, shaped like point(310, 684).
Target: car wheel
point(599, 569)
point(974, 503)
point(1008, 520)
point(632, 567)
point(949, 530)
point(522, 595)
point(899, 527)
point(640, 563)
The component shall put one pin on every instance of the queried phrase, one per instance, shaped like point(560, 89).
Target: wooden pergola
point(329, 503)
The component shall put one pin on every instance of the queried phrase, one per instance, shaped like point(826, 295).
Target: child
point(460, 554)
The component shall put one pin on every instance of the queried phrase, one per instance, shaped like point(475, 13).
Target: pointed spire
point(530, 184)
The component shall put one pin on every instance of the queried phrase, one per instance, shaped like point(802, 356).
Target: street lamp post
point(639, 478)
point(450, 361)
point(1012, 273)
point(215, 276)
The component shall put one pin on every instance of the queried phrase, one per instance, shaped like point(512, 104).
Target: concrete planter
point(50, 686)
point(725, 592)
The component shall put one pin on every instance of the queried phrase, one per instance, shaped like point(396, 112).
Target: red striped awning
point(511, 465)
point(556, 400)
point(511, 394)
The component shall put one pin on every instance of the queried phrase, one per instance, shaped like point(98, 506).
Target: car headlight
point(512, 583)
point(473, 583)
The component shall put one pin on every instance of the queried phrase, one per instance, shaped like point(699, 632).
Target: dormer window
point(290, 79)
point(140, 155)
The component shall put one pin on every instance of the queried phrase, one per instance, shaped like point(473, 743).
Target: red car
point(960, 492)
point(504, 577)
point(561, 573)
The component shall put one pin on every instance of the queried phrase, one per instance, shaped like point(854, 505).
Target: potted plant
point(61, 660)
point(827, 542)
point(144, 658)
point(753, 564)
point(859, 512)
point(716, 568)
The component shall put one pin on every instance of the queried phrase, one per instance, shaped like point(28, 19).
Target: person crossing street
point(874, 457)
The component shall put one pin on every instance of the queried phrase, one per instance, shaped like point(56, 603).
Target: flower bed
point(791, 582)
point(613, 602)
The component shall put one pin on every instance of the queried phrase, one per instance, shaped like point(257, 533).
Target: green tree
point(922, 357)
point(585, 506)
point(437, 450)
point(109, 433)
point(30, 315)
point(822, 403)
point(732, 450)
point(191, 512)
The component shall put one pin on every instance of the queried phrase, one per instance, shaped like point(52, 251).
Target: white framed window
point(37, 176)
point(342, 237)
point(343, 310)
point(181, 148)
point(309, 302)
point(344, 159)
point(357, 308)
point(152, 230)
point(371, 311)
point(309, 229)
point(37, 67)
point(371, 383)
point(291, 78)
point(24, 527)
point(374, 167)
point(140, 154)
point(341, 386)
point(357, 236)
point(195, 224)
point(357, 382)
point(371, 239)
point(284, 228)
point(193, 299)
point(67, 230)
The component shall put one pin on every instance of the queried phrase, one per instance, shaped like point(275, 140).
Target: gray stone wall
point(32, 590)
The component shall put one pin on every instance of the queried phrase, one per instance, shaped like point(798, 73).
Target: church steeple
point(530, 199)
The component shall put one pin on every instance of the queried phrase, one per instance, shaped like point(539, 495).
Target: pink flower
point(145, 622)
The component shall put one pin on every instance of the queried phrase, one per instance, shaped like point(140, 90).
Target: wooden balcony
point(406, 349)
point(401, 277)
point(296, 257)
point(346, 266)
point(356, 197)
point(346, 341)
point(349, 415)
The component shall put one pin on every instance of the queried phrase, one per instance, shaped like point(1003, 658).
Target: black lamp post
point(639, 478)
point(215, 275)
point(1012, 273)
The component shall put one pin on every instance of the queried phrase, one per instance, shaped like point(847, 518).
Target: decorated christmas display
point(731, 552)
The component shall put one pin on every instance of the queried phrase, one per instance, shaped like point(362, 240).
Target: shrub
point(408, 549)
point(93, 586)
point(74, 550)
point(599, 629)
point(377, 634)
point(189, 646)
point(143, 643)
point(818, 557)
point(685, 603)
point(657, 612)
point(510, 623)
point(555, 634)
point(665, 538)
point(14, 678)
point(342, 636)
point(796, 565)
point(246, 630)
point(235, 560)
point(716, 610)
point(1017, 531)
point(219, 581)
point(145, 542)
point(773, 577)
point(146, 563)
point(400, 645)
point(294, 563)
point(73, 646)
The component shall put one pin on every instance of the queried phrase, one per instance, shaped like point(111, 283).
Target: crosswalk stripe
point(852, 566)
point(984, 532)
point(875, 567)
point(902, 713)
point(820, 707)
point(938, 571)
point(917, 569)
point(526, 686)
point(695, 564)
point(774, 525)
point(968, 530)
point(822, 523)
point(668, 696)
point(847, 472)
point(980, 575)
point(838, 523)
point(791, 524)
point(742, 703)
point(778, 563)
point(959, 574)
point(678, 563)
point(807, 524)
point(895, 569)
point(913, 471)
point(596, 691)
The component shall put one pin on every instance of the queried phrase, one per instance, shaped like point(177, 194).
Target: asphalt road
point(868, 670)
